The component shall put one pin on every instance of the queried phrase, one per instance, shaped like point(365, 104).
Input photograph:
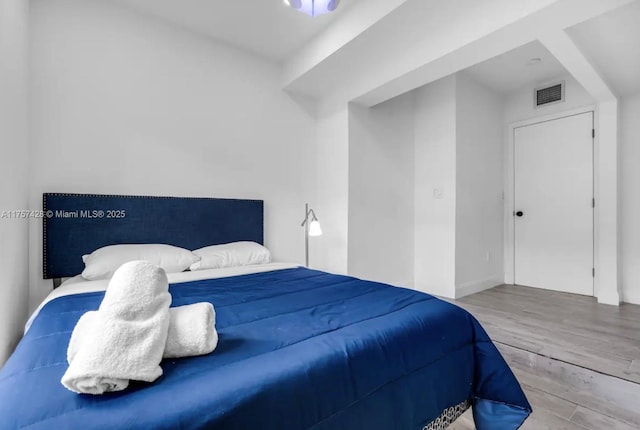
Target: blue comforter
point(298, 349)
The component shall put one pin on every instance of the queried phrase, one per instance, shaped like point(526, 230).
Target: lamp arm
point(306, 224)
point(306, 217)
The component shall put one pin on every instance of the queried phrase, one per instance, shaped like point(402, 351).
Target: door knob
point(519, 213)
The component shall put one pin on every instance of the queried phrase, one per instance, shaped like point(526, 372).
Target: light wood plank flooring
point(578, 361)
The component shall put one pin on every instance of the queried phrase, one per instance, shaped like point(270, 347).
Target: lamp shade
point(313, 7)
point(314, 228)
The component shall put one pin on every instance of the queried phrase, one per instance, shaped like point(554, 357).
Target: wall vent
point(549, 94)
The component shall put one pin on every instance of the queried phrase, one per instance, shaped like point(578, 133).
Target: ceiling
point(513, 70)
point(612, 44)
point(265, 27)
point(273, 30)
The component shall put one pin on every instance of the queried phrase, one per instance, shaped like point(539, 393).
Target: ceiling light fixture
point(313, 7)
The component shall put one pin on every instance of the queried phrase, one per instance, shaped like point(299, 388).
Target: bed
point(298, 348)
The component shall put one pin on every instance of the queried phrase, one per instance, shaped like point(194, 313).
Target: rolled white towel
point(191, 331)
point(125, 339)
point(90, 385)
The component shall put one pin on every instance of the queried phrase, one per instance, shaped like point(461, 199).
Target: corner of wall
point(332, 166)
point(14, 179)
point(473, 287)
point(479, 228)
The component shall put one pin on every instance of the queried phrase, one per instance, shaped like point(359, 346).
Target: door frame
point(509, 180)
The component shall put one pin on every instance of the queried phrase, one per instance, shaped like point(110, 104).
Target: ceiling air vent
point(549, 94)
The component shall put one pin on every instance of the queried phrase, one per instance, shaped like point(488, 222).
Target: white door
point(553, 204)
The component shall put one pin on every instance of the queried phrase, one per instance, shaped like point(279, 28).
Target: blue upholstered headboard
point(77, 224)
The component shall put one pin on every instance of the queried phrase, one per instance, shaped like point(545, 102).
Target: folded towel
point(90, 384)
point(125, 339)
point(191, 332)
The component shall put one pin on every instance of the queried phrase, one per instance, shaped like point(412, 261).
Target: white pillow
point(231, 255)
point(102, 262)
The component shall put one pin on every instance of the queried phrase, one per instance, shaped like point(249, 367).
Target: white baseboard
point(631, 297)
point(609, 298)
point(473, 287)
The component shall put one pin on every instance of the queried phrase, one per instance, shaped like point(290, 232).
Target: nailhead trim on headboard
point(44, 237)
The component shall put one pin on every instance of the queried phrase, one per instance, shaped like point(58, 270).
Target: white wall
point(459, 183)
point(123, 103)
point(630, 197)
point(435, 169)
point(330, 252)
point(479, 187)
point(381, 191)
point(14, 288)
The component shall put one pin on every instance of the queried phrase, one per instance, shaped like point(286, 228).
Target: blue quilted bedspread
point(298, 349)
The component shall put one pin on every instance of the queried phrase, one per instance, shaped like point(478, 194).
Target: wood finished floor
point(578, 361)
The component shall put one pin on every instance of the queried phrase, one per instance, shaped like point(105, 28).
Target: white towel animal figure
point(191, 331)
point(126, 337)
